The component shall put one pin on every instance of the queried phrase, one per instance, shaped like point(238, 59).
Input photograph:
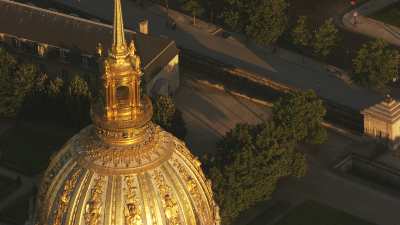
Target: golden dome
point(123, 169)
point(94, 183)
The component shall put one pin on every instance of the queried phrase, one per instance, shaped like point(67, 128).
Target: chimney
point(144, 27)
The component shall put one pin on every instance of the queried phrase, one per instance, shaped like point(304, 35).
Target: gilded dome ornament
point(123, 169)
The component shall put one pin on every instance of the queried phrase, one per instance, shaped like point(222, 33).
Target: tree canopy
point(194, 7)
point(376, 65)
point(263, 21)
point(250, 159)
point(301, 114)
point(17, 80)
point(78, 102)
point(168, 116)
point(325, 38)
point(249, 162)
point(301, 33)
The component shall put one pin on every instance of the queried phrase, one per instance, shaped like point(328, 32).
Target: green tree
point(168, 116)
point(7, 68)
point(8, 64)
point(301, 115)
point(376, 65)
point(194, 7)
point(35, 102)
point(16, 82)
point(249, 162)
point(260, 20)
point(235, 14)
point(78, 102)
point(325, 38)
point(267, 22)
point(55, 87)
point(301, 33)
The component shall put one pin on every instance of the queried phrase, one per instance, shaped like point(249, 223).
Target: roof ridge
point(62, 14)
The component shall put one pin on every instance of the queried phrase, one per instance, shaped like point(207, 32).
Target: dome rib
point(186, 209)
point(193, 166)
point(75, 196)
point(143, 191)
point(108, 200)
point(192, 186)
point(81, 199)
point(155, 206)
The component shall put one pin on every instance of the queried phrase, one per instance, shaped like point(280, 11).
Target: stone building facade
point(383, 121)
point(69, 39)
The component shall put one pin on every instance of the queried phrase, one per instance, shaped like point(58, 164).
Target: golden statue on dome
point(123, 169)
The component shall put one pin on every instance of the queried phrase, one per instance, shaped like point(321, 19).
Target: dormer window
point(63, 53)
point(85, 60)
point(16, 43)
point(42, 49)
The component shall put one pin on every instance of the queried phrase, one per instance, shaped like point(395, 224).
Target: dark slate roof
point(69, 32)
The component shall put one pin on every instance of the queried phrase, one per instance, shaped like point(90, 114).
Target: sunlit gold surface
point(92, 182)
point(123, 169)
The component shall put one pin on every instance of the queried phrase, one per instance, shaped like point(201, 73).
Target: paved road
point(209, 113)
point(285, 66)
point(371, 27)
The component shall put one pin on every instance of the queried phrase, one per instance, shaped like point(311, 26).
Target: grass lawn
point(28, 146)
point(314, 213)
point(390, 14)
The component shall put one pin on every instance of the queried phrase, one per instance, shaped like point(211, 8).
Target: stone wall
point(373, 172)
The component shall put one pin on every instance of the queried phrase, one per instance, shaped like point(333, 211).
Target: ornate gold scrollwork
point(192, 188)
point(171, 207)
point(93, 207)
point(132, 210)
point(65, 197)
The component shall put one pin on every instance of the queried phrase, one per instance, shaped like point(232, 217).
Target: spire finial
point(119, 44)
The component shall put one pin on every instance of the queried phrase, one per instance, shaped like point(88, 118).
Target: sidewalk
point(369, 26)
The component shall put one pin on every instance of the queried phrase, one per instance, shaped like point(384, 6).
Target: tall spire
point(124, 116)
point(119, 44)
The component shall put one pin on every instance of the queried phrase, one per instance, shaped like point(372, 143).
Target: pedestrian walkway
point(370, 27)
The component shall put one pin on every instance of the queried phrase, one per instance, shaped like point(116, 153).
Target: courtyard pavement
point(285, 66)
point(369, 26)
